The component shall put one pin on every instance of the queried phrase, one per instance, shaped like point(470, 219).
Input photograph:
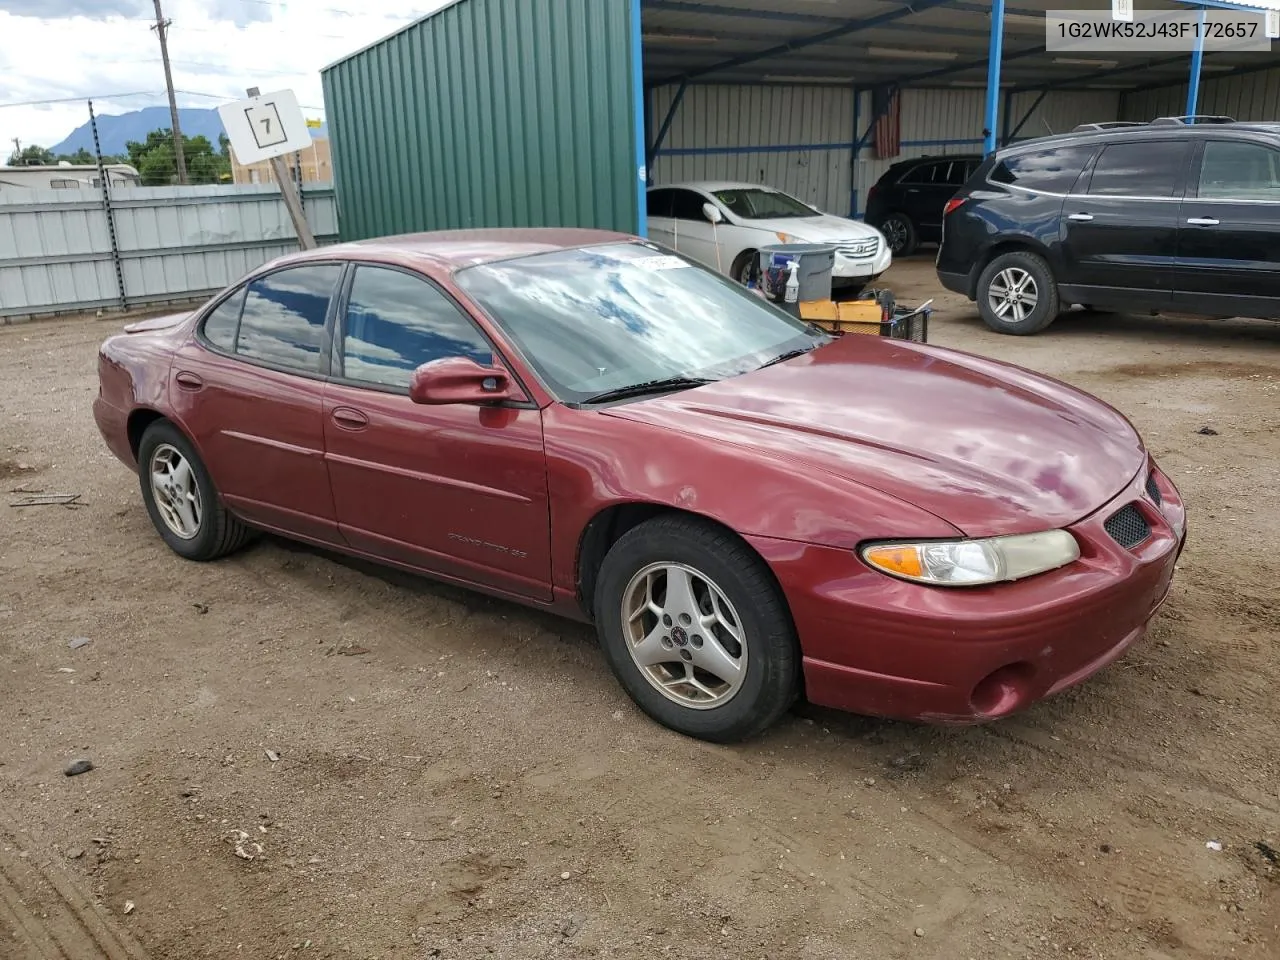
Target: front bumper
point(860, 268)
point(880, 646)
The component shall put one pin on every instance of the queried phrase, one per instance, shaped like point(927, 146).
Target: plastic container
point(816, 261)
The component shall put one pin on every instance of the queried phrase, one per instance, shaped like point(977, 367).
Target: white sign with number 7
point(268, 125)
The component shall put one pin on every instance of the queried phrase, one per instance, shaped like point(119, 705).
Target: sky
point(59, 49)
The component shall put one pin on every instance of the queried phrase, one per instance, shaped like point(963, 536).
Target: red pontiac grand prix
point(747, 509)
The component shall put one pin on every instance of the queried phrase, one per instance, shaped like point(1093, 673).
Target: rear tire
point(696, 629)
point(900, 233)
point(181, 499)
point(1017, 294)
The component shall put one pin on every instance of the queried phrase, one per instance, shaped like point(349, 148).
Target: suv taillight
point(954, 204)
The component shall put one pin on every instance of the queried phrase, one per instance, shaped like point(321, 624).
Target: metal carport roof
point(925, 43)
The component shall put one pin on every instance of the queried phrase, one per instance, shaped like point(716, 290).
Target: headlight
point(788, 237)
point(965, 563)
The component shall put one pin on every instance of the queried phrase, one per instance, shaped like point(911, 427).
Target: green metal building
point(491, 113)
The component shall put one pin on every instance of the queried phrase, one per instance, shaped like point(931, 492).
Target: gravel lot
point(296, 755)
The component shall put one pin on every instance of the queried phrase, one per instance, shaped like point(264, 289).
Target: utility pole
point(161, 27)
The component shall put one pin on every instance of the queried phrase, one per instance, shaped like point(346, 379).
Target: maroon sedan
point(748, 509)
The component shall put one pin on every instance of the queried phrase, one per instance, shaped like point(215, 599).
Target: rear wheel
point(900, 233)
point(181, 499)
point(1017, 294)
point(696, 629)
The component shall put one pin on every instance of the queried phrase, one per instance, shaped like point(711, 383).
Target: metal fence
point(72, 250)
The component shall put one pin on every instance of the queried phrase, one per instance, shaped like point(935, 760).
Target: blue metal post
point(637, 108)
point(996, 50)
point(857, 149)
point(666, 123)
point(1197, 58)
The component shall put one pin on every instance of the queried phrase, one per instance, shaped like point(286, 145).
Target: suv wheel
point(900, 233)
point(1017, 294)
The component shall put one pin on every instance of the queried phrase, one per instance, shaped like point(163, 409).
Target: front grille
point(1152, 490)
point(1128, 527)
point(860, 248)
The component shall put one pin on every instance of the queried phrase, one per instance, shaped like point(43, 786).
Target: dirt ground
point(475, 784)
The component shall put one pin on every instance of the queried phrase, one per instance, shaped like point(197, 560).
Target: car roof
point(710, 186)
point(1153, 131)
point(454, 249)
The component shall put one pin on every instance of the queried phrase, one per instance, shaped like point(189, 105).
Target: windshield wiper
point(789, 355)
point(648, 387)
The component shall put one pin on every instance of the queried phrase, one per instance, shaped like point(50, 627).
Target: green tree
point(81, 156)
point(32, 156)
point(157, 165)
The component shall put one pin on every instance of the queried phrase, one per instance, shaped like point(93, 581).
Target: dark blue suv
point(1168, 216)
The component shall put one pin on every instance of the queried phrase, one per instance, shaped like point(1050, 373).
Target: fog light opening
point(1002, 692)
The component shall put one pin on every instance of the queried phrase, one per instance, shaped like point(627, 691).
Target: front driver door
point(696, 236)
point(458, 490)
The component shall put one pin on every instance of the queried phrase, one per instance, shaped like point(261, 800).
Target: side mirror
point(712, 212)
point(459, 380)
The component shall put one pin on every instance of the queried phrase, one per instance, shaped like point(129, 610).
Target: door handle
point(349, 418)
point(1203, 222)
point(1081, 217)
point(188, 380)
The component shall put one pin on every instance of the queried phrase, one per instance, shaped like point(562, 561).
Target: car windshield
point(599, 319)
point(759, 204)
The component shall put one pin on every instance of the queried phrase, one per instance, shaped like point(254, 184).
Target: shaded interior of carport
point(819, 98)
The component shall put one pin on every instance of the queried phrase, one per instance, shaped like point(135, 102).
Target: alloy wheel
point(685, 635)
point(175, 491)
point(1013, 294)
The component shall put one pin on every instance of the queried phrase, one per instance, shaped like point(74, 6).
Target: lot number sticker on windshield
point(664, 262)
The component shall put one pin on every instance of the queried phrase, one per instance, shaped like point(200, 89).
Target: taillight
point(955, 203)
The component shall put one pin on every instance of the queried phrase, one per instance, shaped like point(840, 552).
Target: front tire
point(900, 233)
point(697, 630)
point(741, 269)
point(183, 504)
point(1017, 294)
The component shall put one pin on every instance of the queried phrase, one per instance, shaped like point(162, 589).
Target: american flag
point(885, 107)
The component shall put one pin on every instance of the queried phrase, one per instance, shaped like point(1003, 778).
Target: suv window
point(687, 205)
point(659, 204)
point(959, 173)
point(1145, 169)
point(1234, 170)
point(925, 174)
point(221, 323)
point(1052, 171)
point(284, 314)
point(397, 322)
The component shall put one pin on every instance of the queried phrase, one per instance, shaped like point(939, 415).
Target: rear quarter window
point(1052, 171)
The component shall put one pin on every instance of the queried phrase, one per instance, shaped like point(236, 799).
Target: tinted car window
point(958, 173)
point(687, 205)
point(396, 322)
point(1053, 171)
point(1149, 169)
point(220, 325)
point(1239, 171)
point(926, 173)
point(284, 313)
point(660, 203)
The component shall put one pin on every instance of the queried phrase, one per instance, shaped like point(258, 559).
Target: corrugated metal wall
point(172, 243)
point(1248, 96)
point(489, 113)
point(800, 138)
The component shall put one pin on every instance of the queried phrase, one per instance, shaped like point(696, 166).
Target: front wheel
point(741, 269)
point(900, 233)
point(696, 629)
point(1017, 294)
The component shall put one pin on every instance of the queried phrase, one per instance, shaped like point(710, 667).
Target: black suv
point(906, 203)
point(1169, 216)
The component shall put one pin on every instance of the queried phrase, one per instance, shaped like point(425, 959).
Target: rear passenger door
point(1120, 231)
point(659, 212)
point(1229, 235)
point(925, 191)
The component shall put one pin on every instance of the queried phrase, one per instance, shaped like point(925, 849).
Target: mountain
point(115, 131)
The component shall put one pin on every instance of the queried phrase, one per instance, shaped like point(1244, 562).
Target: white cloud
point(217, 47)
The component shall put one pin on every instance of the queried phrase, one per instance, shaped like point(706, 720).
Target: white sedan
point(725, 224)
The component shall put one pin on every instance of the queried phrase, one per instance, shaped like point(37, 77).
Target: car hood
point(990, 448)
point(824, 229)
